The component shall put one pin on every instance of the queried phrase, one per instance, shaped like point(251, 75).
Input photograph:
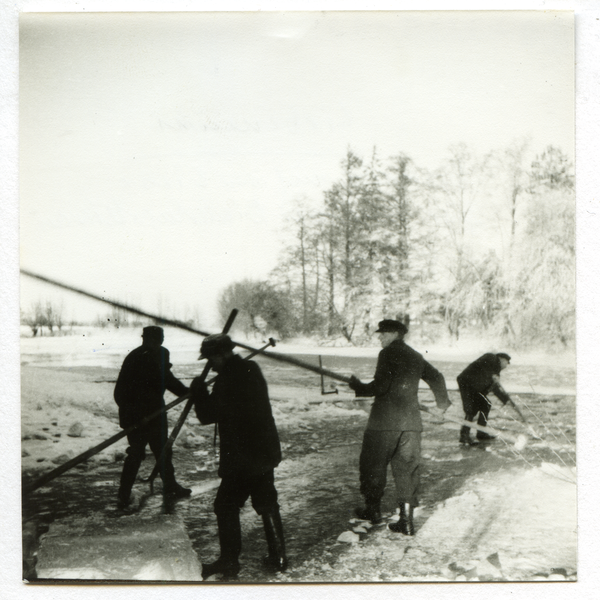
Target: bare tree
point(541, 306)
point(457, 186)
point(34, 318)
point(517, 178)
point(44, 314)
point(299, 268)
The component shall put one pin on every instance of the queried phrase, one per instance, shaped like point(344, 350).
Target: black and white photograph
point(297, 297)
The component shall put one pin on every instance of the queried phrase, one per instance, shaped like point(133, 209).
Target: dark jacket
point(143, 379)
point(239, 403)
point(396, 385)
point(479, 377)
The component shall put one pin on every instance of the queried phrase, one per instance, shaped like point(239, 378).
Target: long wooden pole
point(278, 357)
point(47, 477)
point(50, 475)
point(485, 429)
point(178, 324)
point(127, 307)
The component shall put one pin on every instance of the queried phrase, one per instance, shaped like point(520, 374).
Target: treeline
point(482, 244)
point(47, 317)
point(42, 315)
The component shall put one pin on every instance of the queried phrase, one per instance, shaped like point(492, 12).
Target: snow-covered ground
point(497, 527)
point(516, 522)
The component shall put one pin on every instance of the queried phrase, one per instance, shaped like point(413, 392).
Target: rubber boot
point(230, 539)
point(405, 524)
point(275, 541)
point(175, 491)
point(128, 475)
point(465, 436)
point(171, 489)
point(371, 512)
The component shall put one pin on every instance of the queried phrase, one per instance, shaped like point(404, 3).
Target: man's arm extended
point(381, 382)
point(499, 391)
point(435, 380)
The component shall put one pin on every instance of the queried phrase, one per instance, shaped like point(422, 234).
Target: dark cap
point(153, 332)
point(503, 355)
point(218, 343)
point(391, 326)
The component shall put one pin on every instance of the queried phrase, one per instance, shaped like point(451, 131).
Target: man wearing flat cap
point(249, 452)
point(143, 379)
point(393, 433)
point(475, 383)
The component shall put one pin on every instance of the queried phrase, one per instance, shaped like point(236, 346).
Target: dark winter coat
point(143, 379)
point(396, 385)
point(479, 377)
point(239, 403)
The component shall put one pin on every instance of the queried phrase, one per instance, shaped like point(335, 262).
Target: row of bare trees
point(46, 316)
point(42, 315)
point(483, 243)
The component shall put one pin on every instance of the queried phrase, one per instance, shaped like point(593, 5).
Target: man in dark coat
point(143, 379)
point(249, 452)
point(393, 433)
point(479, 379)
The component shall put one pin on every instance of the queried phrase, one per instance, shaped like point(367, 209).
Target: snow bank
point(511, 525)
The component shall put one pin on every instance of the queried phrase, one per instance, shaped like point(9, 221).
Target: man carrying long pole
point(393, 433)
point(249, 452)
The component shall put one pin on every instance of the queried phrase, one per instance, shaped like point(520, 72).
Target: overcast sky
point(161, 153)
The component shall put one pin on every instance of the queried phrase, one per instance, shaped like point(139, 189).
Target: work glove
point(355, 382)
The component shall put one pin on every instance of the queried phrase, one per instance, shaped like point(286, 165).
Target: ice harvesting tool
point(519, 441)
point(323, 392)
point(50, 475)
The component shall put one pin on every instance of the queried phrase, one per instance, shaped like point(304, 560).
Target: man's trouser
point(474, 402)
point(233, 492)
point(400, 448)
point(154, 433)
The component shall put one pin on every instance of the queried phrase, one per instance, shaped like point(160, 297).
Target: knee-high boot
point(230, 540)
point(405, 524)
point(128, 475)
point(275, 541)
point(370, 512)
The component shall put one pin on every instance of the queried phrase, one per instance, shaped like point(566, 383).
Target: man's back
point(142, 373)
point(240, 404)
point(143, 379)
point(396, 385)
point(479, 374)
